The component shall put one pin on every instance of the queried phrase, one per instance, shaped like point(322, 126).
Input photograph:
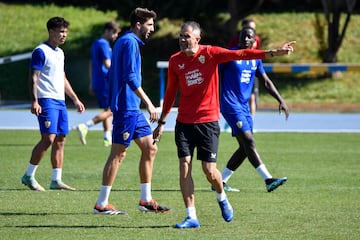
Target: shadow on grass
point(130, 190)
point(37, 214)
point(16, 145)
point(112, 190)
point(69, 226)
point(92, 226)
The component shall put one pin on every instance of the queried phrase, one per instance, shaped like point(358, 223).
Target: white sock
point(226, 174)
point(107, 135)
point(221, 196)
point(56, 174)
point(191, 212)
point(104, 194)
point(31, 169)
point(145, 192)
point(89, 123)
point(262, 170)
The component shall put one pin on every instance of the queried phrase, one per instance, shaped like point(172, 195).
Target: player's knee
point(210, 171)
point(153, 149)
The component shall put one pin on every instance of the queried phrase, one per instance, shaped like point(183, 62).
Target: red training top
point(196, 78)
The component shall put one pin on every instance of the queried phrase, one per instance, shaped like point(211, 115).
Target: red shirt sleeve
point(196, 79)
point(171, 89)
point(226, 55)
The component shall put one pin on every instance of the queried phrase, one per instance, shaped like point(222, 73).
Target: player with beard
point(193, 72)
point(129, 122)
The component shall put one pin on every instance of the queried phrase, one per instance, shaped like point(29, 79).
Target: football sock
point(191, 212)
point(103, 198)
point(262, 170)
point(226, 174)
point(31, 169)
point(56, 174)
point(89, 123)
point(145, 192)
point(221, 196)
point(107, 135)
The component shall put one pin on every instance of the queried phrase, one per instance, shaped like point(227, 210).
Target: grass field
point(320, 200)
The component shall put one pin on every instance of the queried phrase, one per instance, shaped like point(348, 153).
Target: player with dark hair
point(234, 42)
point(193, 72)
point(246, 22)
point(237, 80)
point(100, 63)
point(129, 122)
point(48, 85)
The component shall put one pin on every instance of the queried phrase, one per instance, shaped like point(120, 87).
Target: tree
point(333, 9)
point(239, 10)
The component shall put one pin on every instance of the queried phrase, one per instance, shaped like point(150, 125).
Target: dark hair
point(112, 25)
point(244, 29)
point(243, 33)
point(245, 22)
point(57, 22)
point(141, 15)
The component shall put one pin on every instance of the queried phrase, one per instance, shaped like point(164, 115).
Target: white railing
point(15, 58)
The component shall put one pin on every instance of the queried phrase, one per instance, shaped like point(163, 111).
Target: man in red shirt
point(193, 71)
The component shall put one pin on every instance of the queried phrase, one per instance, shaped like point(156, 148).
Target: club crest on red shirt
point(202, 59)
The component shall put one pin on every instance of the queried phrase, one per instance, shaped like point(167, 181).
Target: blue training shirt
point(237, 81)
point(125, 73)
point(100, 51)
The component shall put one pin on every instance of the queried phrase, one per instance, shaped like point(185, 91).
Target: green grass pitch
point(319, 201)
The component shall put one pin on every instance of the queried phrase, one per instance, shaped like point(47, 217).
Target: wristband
point(161, 122)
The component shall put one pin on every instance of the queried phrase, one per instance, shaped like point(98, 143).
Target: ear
point(138, 25)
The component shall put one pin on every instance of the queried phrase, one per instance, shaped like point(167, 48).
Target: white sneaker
point(82, 131)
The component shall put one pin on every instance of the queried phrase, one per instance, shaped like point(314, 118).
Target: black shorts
point(203, 136)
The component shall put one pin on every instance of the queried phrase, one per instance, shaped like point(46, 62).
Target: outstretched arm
point(285, 49)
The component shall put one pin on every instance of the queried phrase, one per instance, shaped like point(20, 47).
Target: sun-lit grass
point(308, 89)
point(320, 200)
point(25, 25)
